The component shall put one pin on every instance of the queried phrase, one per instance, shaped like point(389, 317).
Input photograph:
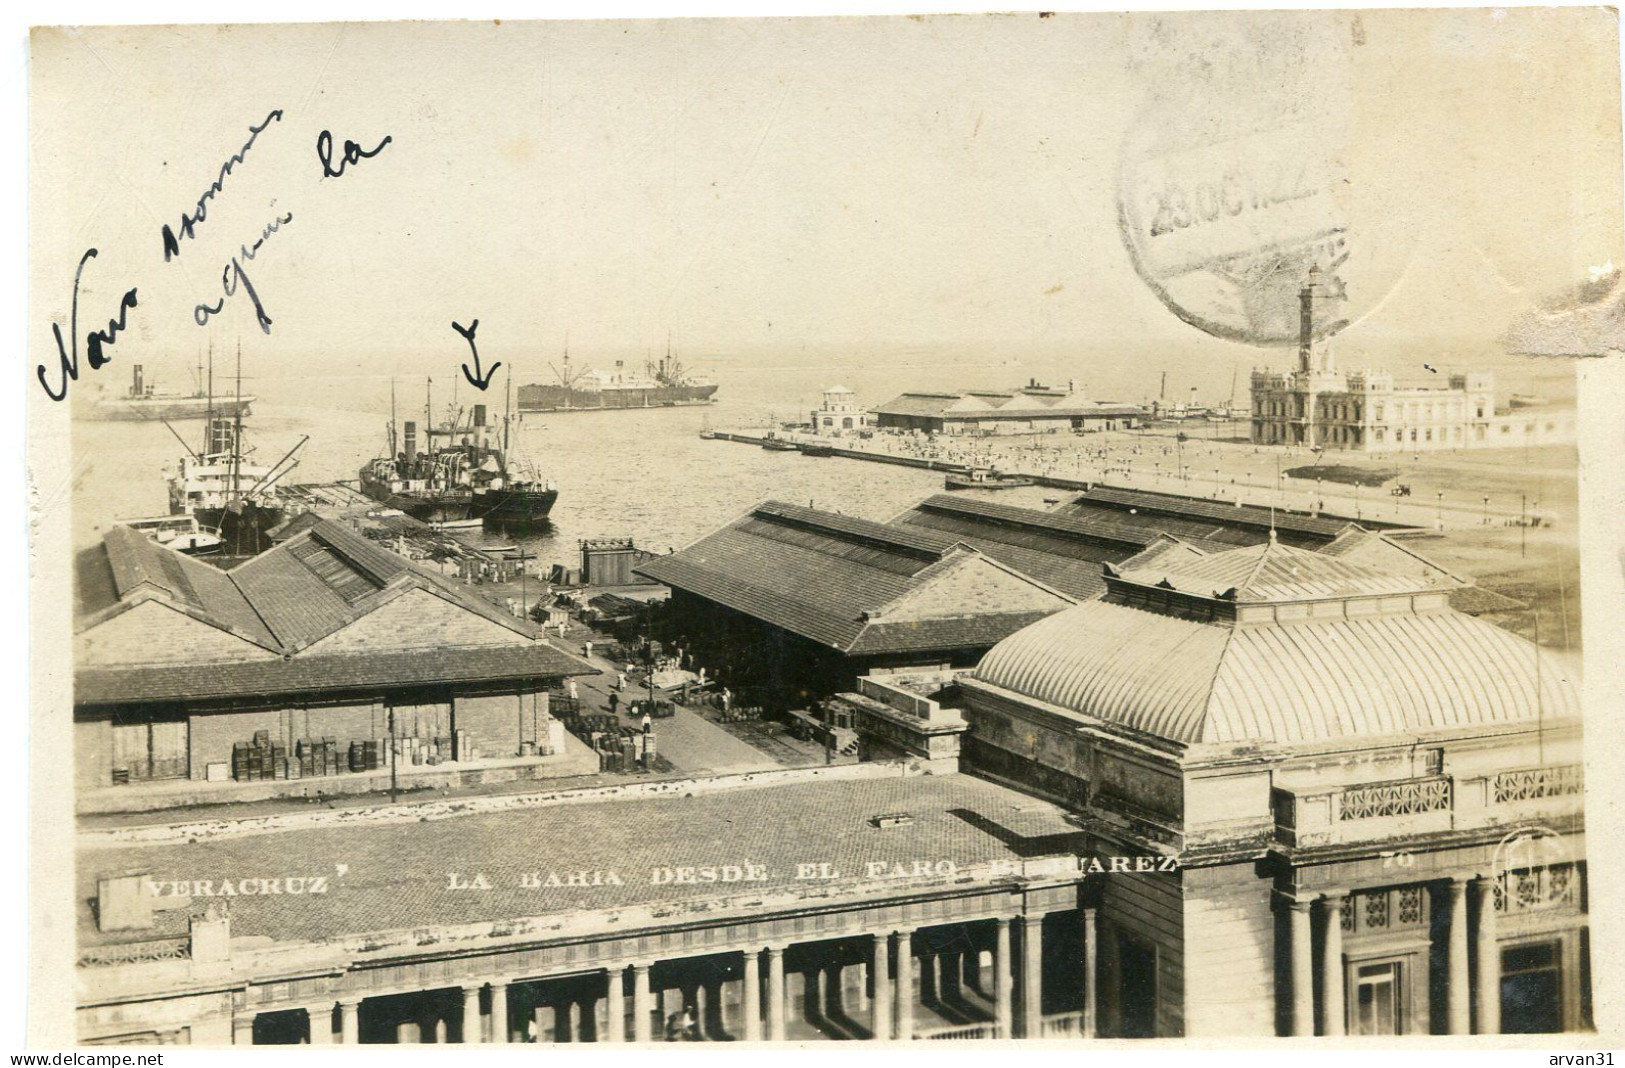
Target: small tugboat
point(985, 478)
point(178, 532)
point(774, 443)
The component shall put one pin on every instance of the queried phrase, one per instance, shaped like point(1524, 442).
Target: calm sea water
point(645, 474)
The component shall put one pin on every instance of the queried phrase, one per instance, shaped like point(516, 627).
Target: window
point(1375, 1008)
point(1531, 989)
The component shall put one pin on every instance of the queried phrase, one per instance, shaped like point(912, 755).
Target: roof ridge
point(1213, 683)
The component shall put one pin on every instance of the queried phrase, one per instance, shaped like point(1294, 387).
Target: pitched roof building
point(1029, 409)
point(802, 592)
point(178, 664)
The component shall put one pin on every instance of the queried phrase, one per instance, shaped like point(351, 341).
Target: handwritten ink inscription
point(172, 240)
point(95, 341)
point(233, 277)
point(353, 153)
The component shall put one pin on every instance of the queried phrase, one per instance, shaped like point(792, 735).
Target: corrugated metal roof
point(1228, 514)
point(819, 575)
point(1269, 572)
point(1195, 682)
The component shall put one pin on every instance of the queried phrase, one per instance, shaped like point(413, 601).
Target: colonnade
point(902, 976)
point(1468, 977)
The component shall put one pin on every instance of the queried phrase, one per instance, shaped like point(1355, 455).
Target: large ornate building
point(1366, 411)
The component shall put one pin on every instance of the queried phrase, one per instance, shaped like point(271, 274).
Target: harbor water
point(645, 474)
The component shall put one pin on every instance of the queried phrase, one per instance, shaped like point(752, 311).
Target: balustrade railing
point(136, 952)
point(1406, 798)
point(1532, 784)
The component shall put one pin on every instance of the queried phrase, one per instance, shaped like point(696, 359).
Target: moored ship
point(664, 384)
point(225, 493)
point(460, 473)
point(144, 401)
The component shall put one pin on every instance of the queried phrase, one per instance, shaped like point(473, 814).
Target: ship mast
point(237, 427)
point(208, 416)
point(507, 414)
point(393, 450)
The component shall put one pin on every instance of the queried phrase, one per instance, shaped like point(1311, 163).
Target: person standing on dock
point(575, 692)
point(614, 701)
point(586, 650)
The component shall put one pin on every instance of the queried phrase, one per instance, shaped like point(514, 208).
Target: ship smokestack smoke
point(411, 439)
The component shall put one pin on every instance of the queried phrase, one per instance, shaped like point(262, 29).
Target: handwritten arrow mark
point(475, 378)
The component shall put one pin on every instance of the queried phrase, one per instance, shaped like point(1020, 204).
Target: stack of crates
point(364, 755)
point(260, 760)
point(317, 757)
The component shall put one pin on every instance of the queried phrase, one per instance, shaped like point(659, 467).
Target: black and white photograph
point(1048, 529)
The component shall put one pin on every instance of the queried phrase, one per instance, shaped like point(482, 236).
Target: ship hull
point(546, 398)
point(513, 507)
point(176, 409)
point(244, 529)
point(425, 507)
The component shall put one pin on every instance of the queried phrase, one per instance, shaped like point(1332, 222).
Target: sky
point(759, 186)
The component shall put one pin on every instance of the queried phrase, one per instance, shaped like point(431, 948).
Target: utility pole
point(394, 759)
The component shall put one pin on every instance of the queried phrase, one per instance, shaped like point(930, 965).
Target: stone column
point(615, 1005)
point(1032, 976)
point(1091, 971)
point(1334, 1004)
point(471, 1014)
point(1300, 931)
point(242, 1031)
point(1001, 979)
point(640, 1003)
point(775, 994)
point(753, 995)
point(1459, 1003)
point(321, 1024)
point(1489, 960)
point(350, 1022)
point(880, 996)
point(905, 986)
point(499, 1012)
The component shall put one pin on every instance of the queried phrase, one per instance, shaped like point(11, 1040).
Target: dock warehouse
point(195, 684)
point(809, 599)
point(1032, 409)
point(815, 598)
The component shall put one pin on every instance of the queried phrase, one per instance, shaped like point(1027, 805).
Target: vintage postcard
point(1065, 528)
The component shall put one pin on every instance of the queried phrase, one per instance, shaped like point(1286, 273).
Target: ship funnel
point(221, 437)
point(411, 438)
point(139, 387)
point(479, 415)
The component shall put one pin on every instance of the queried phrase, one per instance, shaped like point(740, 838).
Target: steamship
point(662, 385)
point(459, 473)
point(144, 401)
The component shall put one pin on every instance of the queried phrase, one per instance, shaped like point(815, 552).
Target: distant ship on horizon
point(144, 401)
point(664, 384)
